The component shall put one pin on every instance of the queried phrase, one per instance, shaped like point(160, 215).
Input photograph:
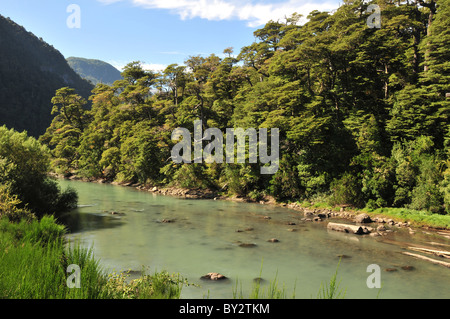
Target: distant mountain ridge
point(31, 71)
point(96, 71)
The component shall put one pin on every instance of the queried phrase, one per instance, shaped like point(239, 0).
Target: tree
point(65, 131)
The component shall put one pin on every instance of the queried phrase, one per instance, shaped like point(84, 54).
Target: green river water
point(203, 238)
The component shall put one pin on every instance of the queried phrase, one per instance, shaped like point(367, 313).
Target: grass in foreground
point(34, 261)
point(329, 290)
point(35, 258)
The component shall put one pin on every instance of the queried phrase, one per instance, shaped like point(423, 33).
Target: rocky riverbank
point(310, 214)
point(338, 219)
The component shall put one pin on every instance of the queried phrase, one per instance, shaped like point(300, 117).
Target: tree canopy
point(362, 112)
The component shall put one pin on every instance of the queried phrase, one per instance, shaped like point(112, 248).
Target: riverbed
point(132, 229)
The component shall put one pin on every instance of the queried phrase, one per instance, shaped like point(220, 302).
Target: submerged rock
point(117, 214)
point(258, 280)
point(390, 269)
point(273, 240)
point(408, 268)
point(247, 245)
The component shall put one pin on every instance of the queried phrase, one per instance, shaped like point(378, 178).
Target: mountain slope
point(31, 71)
point(95, 71)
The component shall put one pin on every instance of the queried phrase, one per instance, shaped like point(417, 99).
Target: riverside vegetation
point(35, 254)
point(33, 251)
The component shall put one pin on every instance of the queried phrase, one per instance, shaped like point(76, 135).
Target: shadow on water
point(78, 222)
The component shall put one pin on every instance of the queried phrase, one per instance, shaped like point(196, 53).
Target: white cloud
point(256, 13)
point(119, 65)
point(154, 67)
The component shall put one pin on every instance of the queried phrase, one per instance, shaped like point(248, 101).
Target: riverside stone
point(363, 218)
point(213, 276)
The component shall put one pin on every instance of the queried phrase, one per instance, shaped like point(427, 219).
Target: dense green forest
point(31, 70)
point(95, 71)
point(362, 112)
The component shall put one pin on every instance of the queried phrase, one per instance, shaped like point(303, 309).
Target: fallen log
point(439, 262)
point(444, 234)
point(438, 244)
point(352, 229)
point(440, 253)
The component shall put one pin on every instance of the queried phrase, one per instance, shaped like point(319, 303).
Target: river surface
point(204, 236)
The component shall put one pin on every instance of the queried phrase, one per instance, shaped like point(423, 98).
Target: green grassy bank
point(35, 259)
point(417, 218)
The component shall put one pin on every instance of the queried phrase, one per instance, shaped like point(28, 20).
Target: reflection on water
point(129, 229)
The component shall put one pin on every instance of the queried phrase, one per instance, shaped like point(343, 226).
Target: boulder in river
point(213, 276)
point(363, 218)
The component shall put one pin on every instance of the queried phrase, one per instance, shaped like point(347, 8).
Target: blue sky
point(155, 32)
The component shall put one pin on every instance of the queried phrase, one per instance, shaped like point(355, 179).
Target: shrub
point(9, 207)
point(347, 191)
point(24, 168)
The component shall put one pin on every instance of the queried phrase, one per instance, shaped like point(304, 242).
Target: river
point(204, 236)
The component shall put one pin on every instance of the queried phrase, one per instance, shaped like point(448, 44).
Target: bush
point(285, 183)
point(191, 176)
point(240, 179)
point(24, 168)
point(9, 207)
point(347, 191)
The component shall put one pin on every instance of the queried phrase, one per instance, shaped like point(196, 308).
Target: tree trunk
point(432, 6)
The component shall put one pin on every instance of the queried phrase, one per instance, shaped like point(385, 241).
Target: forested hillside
point(30, 73)
point(95, 71)
point(362, 112)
